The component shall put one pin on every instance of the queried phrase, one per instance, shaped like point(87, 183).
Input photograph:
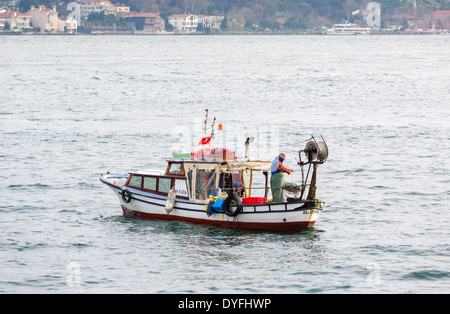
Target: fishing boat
point(212, 186)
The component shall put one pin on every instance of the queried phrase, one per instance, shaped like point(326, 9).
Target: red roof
point(441, 12)
point(87, 1)
point(180, 16)
point(12, 13)
point(404, 16)
point(145, 15)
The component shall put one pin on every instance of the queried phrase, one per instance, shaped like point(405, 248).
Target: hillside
point(269, 13)
point(295, 12)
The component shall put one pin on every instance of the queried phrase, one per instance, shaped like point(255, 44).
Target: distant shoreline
point(230, 33)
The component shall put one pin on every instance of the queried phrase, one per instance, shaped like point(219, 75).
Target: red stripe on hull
point(283, 226)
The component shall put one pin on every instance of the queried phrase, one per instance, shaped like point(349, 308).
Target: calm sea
point(73, 107)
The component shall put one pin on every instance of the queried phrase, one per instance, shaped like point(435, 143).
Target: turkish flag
point(205, 140)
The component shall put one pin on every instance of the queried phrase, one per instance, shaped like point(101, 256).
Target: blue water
point(73, 107)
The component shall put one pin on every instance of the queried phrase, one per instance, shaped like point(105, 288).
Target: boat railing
point(255, 188)
point(291, 190)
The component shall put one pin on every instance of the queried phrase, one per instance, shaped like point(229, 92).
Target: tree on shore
point(25, 5)
point(223, 24)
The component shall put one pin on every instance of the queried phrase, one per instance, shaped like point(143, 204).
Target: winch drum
point(316, 151)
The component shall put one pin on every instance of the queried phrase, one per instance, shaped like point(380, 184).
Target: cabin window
point(175, 169)
point(135, 181)
point(150, 183)
point(164, 185)
point(236, 176)
point(205, 182)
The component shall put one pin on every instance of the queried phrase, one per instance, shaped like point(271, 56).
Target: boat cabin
point(195, 180)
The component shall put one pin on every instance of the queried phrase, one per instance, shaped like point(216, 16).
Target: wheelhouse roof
point(223, 165)
point(226, 165)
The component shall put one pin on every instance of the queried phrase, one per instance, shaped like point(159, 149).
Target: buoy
point(170, 200)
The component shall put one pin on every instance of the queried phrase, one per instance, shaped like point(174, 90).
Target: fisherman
point(277, 177)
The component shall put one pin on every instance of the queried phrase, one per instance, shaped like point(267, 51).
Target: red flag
point(205, 140)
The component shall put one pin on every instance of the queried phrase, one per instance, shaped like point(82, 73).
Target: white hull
point(348, 33)
point(279, 216)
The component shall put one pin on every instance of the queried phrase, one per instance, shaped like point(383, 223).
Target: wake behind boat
point(209, 186)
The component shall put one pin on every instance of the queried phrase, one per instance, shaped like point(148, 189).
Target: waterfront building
point(67, 25)
point(440, 19)
point(45, 19)
point(184, 23)
point(210, 23)
point(147, 22)
point(14, 21)
point(406, 20)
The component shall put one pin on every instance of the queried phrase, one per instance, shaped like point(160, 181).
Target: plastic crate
point(218, 205)
point(254, 200)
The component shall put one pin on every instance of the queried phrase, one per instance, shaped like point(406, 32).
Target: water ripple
point(69, 115)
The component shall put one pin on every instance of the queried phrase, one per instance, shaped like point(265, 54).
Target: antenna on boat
point(212, 127)
point(247, 143)
point(205, 127)
point(206, 121)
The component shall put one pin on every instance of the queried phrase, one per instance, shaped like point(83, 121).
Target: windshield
point(205, 182)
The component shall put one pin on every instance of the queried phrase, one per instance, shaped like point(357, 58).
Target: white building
point(67, 25)
point(120, 9)
point(43, 18)
point(97, 6)
point(210, 22)
point(47, 21)
point(10, 4)
point(93, 6)
point(184, 23)
point(13, 20)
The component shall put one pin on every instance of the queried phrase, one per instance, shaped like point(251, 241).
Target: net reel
point(316, 153)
